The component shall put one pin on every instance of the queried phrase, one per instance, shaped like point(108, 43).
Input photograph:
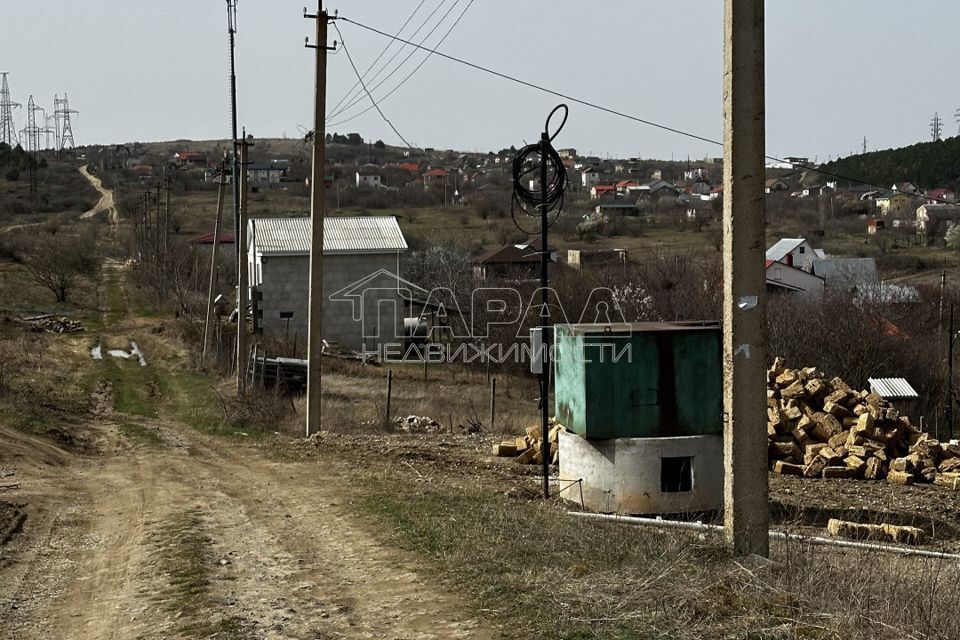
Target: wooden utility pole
point(242, 292)
point(315, 317)
point(746, 512)
point(214, 259)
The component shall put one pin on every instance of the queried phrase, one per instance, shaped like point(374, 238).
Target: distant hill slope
point(928, 164)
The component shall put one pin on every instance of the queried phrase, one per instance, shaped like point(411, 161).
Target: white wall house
point(259, 172)
point(365, 179)
point(783, 277)
point(794, 252)
point(590, 178)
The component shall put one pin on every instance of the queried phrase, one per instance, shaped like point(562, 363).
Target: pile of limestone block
point(819, 428)
point(528, 449)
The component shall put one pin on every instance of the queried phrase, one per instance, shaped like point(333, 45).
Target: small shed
point(898, 391)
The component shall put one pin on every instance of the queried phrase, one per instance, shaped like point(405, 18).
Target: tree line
point(928, 164)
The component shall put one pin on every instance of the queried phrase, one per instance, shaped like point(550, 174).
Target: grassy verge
point(185, 556)
point(542, 573)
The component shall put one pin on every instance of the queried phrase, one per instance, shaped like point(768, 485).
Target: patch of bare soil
point(811, 502)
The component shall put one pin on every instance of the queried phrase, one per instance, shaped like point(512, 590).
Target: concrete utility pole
point(242, 271)
point(214, 258)
point(315, 319)
point(746, 515)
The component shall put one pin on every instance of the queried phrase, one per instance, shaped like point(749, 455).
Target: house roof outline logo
point(354, 292)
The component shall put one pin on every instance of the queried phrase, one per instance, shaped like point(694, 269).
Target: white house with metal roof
point(361, 256)
point(794, 252)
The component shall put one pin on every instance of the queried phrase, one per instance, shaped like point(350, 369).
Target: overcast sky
point(836, 71)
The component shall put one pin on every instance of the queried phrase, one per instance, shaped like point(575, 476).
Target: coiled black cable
point(527, 162)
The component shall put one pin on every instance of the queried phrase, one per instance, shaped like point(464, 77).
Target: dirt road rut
point(201, 538)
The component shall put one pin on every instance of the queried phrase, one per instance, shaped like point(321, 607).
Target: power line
point(409, 75)
point(538, 87)
point(354, 100)
point(384, 51)
point(608, 110)
point(404, 61)
point(364, 85)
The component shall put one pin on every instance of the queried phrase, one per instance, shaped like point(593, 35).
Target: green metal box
point(646, 379)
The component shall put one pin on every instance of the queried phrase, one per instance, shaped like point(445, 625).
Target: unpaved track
point(106, 203)
point(295, 562)
point(106, 199)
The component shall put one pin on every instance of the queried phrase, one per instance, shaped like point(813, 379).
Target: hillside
point(928, 164)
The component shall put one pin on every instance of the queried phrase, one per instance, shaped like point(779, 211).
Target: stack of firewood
point(824, 428)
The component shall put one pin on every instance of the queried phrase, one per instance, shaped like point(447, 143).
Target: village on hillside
point(338, 384)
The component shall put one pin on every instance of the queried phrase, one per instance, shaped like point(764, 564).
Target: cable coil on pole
point(528, 160)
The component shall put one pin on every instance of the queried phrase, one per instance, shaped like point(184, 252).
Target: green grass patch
point(136, 389)
point(185, 557)
point(115, 302)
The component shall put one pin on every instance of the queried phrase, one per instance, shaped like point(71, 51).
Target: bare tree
point(59, 261)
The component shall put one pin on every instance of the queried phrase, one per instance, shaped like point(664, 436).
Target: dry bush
point(267, 410)
point(58, 260)
point(857, 340)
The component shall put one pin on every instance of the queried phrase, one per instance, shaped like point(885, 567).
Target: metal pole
point(544, 320)
point(242, 293)
point(943, 284)
point(493, 403)
point(950, 375)
point(214, 257)
point(315, 302)
point(386, 418)
point(746, 512)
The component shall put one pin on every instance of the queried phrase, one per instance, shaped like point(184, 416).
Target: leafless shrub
point(58, 261)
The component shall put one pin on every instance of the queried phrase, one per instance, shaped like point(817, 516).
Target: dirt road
point(105, 204)
point(106, 199)
point(189, 536)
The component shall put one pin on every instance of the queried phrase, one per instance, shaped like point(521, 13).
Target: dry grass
point(354, 398)
point(543, 573)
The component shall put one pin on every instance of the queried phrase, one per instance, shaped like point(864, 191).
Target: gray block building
point(363, 307)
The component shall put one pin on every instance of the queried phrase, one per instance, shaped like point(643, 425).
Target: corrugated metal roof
point(852, 272)
point(354, 234)
point(892, 388)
